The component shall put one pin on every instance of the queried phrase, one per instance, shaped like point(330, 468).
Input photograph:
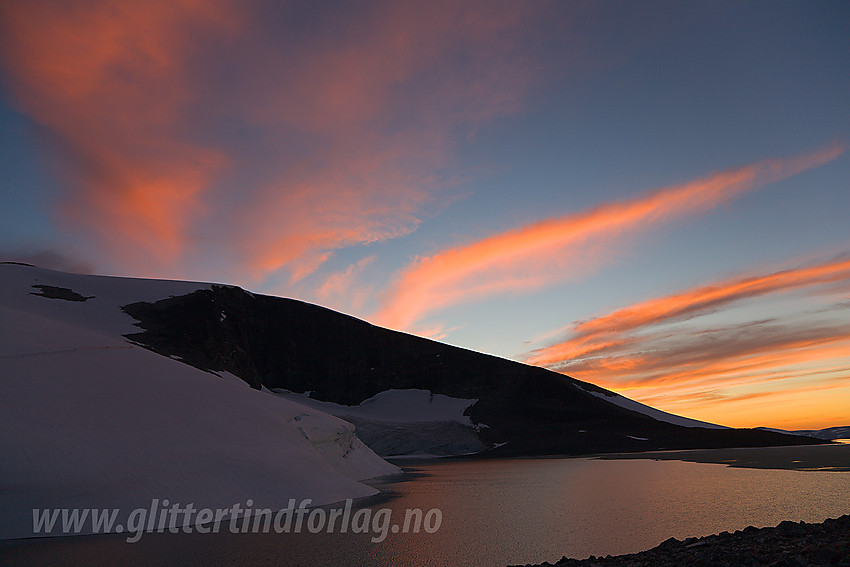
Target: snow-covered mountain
point(89, 420)
point(497, 406)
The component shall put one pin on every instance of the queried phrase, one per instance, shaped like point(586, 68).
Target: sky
point(651, 196)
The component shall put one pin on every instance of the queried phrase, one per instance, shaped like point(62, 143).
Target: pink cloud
point(614, 330)
point(553, 250)
point(661, 352)
point(266, 134)
point(108, 82)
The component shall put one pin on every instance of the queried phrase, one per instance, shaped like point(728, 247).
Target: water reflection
point(504, 512)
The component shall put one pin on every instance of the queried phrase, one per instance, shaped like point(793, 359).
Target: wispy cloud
point(614, 330)
point(108, 82)
point(189, 130)
point(339, 289)
point(751, 351)
point(553, 250)
point(672, 352)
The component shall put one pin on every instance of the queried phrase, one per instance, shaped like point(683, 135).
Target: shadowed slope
point(521, 409)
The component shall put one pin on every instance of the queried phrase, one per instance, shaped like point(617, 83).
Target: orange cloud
point(657, 351)
point(736, 379)
point(608, 332)
point(264, 134)
point(715, 357)
point(530, 257)
point(106, 80)
point(336, 292)
point(382, 98)
point(297, 221)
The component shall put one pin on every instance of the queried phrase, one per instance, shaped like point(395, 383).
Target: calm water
point(504, 512)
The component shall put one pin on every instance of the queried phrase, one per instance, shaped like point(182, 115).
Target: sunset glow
point(665, 353)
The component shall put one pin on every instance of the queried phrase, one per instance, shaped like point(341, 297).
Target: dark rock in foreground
point(787, 545)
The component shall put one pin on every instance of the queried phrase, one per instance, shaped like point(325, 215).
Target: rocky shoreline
point(789, 544)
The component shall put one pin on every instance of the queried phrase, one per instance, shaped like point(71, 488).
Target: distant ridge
point(828, 434)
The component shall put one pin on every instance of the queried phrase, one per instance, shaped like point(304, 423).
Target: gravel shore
point(789, 544)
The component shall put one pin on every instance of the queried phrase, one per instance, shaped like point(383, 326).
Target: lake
point(500, 512)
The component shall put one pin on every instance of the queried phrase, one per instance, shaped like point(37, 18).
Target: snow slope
point(408, 422)
point(397, 406)
point(101, 312)
point(638, 407)
point(88, 420)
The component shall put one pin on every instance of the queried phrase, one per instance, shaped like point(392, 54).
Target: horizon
point(649, 198)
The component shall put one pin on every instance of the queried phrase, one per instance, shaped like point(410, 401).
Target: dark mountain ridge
point(521, 409)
